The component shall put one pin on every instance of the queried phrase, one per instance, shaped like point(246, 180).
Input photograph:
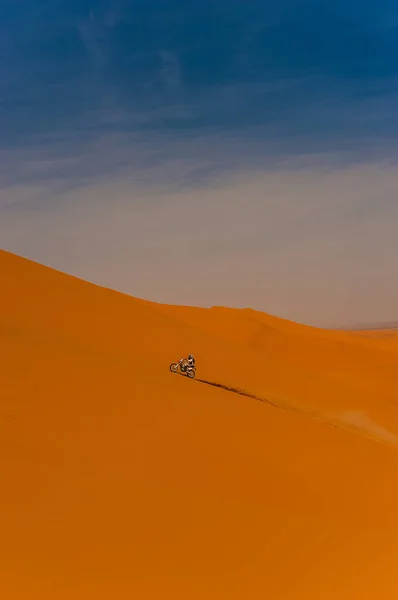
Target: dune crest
point(272, 475)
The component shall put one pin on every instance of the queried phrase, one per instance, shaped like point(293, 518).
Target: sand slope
point(122, 480)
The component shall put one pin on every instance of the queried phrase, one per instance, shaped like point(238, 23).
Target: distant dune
point(273, 475)
point(374, 327)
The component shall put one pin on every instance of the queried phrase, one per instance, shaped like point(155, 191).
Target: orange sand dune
point(121, 480)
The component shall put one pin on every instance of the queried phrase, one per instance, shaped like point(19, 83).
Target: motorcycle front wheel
point(174, 367)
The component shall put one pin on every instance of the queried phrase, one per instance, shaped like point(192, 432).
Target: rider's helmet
point(190, 357)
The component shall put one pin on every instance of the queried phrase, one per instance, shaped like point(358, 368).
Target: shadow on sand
point(227, 388)
point(238, 391)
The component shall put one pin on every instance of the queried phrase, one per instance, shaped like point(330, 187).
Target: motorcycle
point(184, 368)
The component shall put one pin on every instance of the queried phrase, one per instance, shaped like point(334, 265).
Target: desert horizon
point(354, 326)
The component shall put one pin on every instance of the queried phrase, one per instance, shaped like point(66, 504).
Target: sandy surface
point(122, 480)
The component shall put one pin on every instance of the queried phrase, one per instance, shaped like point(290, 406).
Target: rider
point(189, 363)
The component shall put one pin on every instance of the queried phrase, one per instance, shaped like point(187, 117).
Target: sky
point(211, 152)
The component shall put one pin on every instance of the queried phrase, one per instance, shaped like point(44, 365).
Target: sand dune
point(122, 480)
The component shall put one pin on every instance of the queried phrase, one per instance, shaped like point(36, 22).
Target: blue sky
point(135, 108)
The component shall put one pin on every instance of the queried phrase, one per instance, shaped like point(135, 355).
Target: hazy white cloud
point(311, 240)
